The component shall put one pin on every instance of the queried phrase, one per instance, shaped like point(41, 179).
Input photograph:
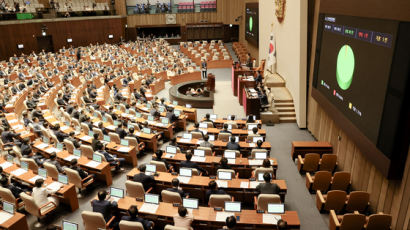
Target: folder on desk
point(270, 218)
point(54, 187)
point(18, 172)
point(6, 164)
point(149, 208)
point(69, 158)
point(184, 179)
point(4, 216)
point(42, 146)
point(222, 184)
point(221, 216)
point(124, 149)
point(255, 162)
point(93, 164)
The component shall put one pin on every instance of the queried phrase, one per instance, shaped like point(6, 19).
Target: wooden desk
point(194, 76)
point(197, 186)
point(241, 123)
point(67, 194)
point(102, 171)
point(242, 165)
point(220, 146)
point(242, 133)
point(303, 147)
point(235, 74)
point(205, 217)
point(18, 127)
point(17, 222)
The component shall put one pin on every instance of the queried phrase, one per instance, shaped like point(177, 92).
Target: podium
point(210, 84)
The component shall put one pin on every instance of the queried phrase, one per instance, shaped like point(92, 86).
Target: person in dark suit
point(133, 216)
point(75, 142)
point(232, 145)
point(60, 100)
point(78, 54)
point(189, 164)
point(95, 141)
point(206, 143)
point(4, 181)
point(83, 174)
point(204, 68)
point(103, 206)
point(267, 187)
point(120, 130)
point(223, 164)
point(196, 126)
point(171, 116)
point(53, 160)
point(114, 161)
point(158, 157)
point(176, 188)
point(26, 120)
point(25, 147)
point(7, 136)
point(225, 129)
point(146, 181)
point(60, 135)
point(103, 129)
point(208, 119)
point(213, 189)
point(258, 78)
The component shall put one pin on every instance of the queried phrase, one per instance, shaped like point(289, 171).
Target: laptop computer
point(232, 206)
point(77, 152)
point(8, 207)
point(276, 208)
point(46, 140)
point(151, 198)
point(24, 165)
point(251, 126)
point(106, 138)
point(59, 146)
point(213, 117)
point(188, 106)
point(116, 193)
point(187, 136)
point(260, 155)
point(150, 169)
point(256, 139)
point(199, 152)
point(90, 133)
point(42, 172)
point(185, 172)
point(190, 203)
point(124, 142)
point(230, 154)
point(164, 120)
point(177, 112)
point(211, 137)
point(171, 149)
point(224, 175)
point(62, 179)
point(203, 125)
point(97, 158)
point(67, 225)
point(146, 130)
point(260, 176)
point(150, 118)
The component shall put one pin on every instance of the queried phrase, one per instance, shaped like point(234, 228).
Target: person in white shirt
point(41, 194)
point(183, 218)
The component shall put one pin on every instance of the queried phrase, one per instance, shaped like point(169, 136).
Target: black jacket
point(146, 181)
point(104, 207)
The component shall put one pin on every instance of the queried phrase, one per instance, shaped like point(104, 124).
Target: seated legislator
point(41, 194)
point(25, 147)
point(133, 216)
point(232, 145)
point(213, 189)
point(16, 190)
point(176, 188)
point(223, 164)
point(145, 180)
point(225, 129)
point(189, 164)
point(230, 223)
point(196, 126)
point(83, 174)
point(95, 141)
point(53, 160)
point(267, 187)
point(170, 115)
point(254, 133)
point(114, 161)
point(158, 157)
point(103, 206)
point(183, 218)
point(206, 143)
point(120, 130)
point(208, 119)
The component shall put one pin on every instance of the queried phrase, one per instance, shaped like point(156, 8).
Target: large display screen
point(354, 68)
point(252, 23)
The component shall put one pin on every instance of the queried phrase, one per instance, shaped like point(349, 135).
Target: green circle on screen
point(345, 67)
point(250, 23)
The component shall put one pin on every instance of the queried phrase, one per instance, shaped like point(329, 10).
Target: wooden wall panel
point(83, 32)
point(389, 196)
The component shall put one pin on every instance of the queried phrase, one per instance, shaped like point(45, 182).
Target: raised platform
point(177, 93)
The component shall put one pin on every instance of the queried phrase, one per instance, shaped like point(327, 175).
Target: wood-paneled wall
point(83, 32)
point(388, 196)
point(227, 12)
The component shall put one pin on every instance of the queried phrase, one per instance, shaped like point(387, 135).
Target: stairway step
point(287, 119)
point(285, 104)
point(287, 114)
point(285, 109)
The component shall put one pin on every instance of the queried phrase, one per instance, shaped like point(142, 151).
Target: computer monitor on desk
point(171, 149)
point(8, 207)
point(151, 198)
point(232, 206)
point(67, 225)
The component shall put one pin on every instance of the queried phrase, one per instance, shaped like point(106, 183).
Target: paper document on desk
point(13, 121)
point(54, 187)
point(252, 145)
point(244, 184)
point(86, 138)
point(69, 158)
point(34, 178)
point(124, 149)
point(42, 146)
point(148, 208)
point(198, 142)
point(231, 161)
point(255, 162)
point(4, 216)
point(184, 179)
point(6, 164)
point(18, 172)
point(93, 164)
point(253, 184)
point(184, 140)
point(111, 127)
point(270, 218)
point(18, 127)
point(198, 159)
point(64, 128)
point(222, 183)
point(168, 155)
point(52, 149)
point(221, 216)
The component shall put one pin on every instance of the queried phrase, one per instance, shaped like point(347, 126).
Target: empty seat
point(32, 208)
point(135, 189)
point(340, 181)
point(351, 221)
point(261, 202)
point(357, 201)
point(130, 225)
point(328, 162)
point(320, 181)
point(94, 220)
point(171, 197)
point(379, 221)
point(308, 164)
point(218, 200)
point(160, 166)
point(333, 200)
